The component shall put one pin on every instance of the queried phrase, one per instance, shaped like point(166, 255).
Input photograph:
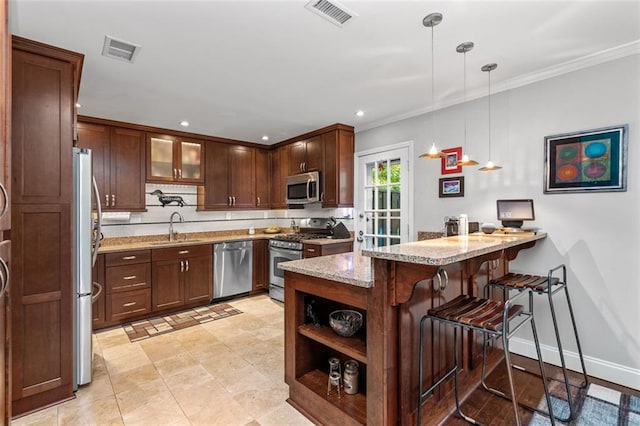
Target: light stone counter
point(444, 251)
point(349, 268)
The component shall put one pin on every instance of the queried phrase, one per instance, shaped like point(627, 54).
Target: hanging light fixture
point(465, 160)
point(431, 21)
point(489, 167)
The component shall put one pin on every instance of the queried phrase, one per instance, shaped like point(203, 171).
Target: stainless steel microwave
point(303, 188)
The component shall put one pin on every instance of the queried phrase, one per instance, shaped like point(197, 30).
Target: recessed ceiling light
point(265, 138)
point(184, 123)
point(360, 113)
point(78, 105)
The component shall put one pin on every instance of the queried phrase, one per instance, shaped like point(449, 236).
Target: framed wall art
point(451, 187)
point(587, 161)
point(449, 162)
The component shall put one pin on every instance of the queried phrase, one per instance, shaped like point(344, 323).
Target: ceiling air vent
point(331, 11)
point(120, 49)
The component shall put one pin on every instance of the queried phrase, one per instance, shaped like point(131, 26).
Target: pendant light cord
point(464, 104)
point(489, 77)
point(433, 118)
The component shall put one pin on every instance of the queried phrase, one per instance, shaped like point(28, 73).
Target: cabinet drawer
point(182, 252)
point(128, 277)
point(128, 304)
point(312, 250)
point(127, 257)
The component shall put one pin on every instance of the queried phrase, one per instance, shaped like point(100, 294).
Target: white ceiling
point(243, 69)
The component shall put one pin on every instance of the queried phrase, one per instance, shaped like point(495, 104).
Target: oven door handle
point(284, 251)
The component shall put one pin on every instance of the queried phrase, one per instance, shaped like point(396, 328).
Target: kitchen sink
point(166, 243)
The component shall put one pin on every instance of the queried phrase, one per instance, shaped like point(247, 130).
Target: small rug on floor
point(596, 406)
point(143, 329)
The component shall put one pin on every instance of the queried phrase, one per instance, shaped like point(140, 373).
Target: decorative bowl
point(488, 228)
point(345, 322)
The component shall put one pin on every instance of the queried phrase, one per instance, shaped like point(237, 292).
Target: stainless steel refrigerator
point(86, 238)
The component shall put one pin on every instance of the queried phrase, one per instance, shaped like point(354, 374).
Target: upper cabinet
point(118, 164)
point(305, 155)
point(337, 170)
point(174, 159)
point(231, 177)
point(263, 179)
point(279, 172)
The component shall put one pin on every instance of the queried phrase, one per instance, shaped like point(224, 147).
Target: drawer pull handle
point(182, 266)
point(130, 277)
point(183, 252)
point(126, 305)
point(186, 266)
point(128, 258)
point(310, 250)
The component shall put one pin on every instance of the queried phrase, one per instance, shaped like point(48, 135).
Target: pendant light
point(489, 167)
point(465, 160)
point(431, 21)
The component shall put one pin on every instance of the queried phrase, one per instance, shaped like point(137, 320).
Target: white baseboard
point(616, 373)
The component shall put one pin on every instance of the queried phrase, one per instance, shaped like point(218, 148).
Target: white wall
point(156, 219)
point(595, 235)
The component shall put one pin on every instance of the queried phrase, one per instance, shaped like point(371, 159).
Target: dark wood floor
point(495, 411)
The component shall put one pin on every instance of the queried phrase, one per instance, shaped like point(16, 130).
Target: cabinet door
point(260, 265)
point(262, 178)
point(42, 129)
point(161, 158)
point(5, 336)
point(98, 309)
point(97, 138)
point(190, 169)
point(216, 184)
point(127, 170)
point(279, 173)
point(297, 157)
point(242, 176)
point(313, 154)
point(166, 283)
point(198, 280)
point(337, 190)
point(5, 143)
point(329, 196)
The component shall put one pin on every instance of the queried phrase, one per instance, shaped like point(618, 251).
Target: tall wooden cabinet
point(44, 88)
point(5, 218)
point(118, 164)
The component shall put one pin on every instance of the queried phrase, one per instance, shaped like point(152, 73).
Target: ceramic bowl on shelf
point(488, 228)
point(345, 322)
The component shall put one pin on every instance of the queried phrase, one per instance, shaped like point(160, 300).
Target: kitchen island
point(392, 287)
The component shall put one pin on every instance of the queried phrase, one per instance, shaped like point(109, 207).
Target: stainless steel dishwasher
point(232, 268)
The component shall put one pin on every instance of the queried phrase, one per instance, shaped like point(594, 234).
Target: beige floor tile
point(46, 417)
point(126, 361)
point(284, 415)
point(103, 411)
point(133, 379)
point(152, 403)
point(262, 399)
point(112, 337)
point(160, 347)
point(224, 363)
point(193, 376)
point(226, 411)
point(175, 364)
point(99, 388)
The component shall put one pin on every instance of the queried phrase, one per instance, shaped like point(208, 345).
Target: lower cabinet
point(127, 285)
point(182, 276)
point(315, 249)
point(260, 266)
point(99, 307)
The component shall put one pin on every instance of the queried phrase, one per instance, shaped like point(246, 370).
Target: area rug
point(143, 329)
point(596, 406)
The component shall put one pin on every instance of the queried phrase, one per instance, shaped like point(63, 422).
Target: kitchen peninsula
point(392, 287)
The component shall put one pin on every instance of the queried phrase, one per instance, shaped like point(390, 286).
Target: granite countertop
point(444, 251)
point(145, 242)
point(349, 268)
point(326, 241)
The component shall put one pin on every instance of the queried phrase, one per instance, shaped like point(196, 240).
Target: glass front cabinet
point(174, 159)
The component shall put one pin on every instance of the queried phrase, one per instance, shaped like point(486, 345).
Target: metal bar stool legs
point(493, 319)
point(548, 285)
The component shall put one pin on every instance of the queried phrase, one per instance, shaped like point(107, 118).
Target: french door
point(383, 208)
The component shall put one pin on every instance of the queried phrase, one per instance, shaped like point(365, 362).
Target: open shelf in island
point(353, 347)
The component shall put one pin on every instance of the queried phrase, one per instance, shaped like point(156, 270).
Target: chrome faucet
point(172, 235)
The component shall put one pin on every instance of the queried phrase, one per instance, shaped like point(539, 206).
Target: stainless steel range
point(286, 247)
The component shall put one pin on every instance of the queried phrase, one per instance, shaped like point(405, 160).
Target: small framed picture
point(449, 162)
point(587, 161)
point(451, 187)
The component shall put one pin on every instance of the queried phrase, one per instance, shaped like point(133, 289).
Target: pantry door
point(383, 184)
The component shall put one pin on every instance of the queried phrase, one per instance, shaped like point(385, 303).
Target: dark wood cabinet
point(127, 285)
point(337, 169)
point(315, 249)
point(279, 173)
point(173, 159)
point(260, 265)
point(263, 179)
point(118, 164)
point(231, 177)
point(99, 307)
point(45, 80)
point(305, 155)
point(181, 277)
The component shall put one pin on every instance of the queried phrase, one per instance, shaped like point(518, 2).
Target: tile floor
point(224, 372)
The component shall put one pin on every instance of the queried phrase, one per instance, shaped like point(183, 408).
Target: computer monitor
point(513, 212)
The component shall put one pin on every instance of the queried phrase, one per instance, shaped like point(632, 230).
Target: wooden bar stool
point(492, 318)
point(549, 285)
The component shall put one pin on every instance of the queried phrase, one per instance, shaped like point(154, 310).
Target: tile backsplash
point(156, 219)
